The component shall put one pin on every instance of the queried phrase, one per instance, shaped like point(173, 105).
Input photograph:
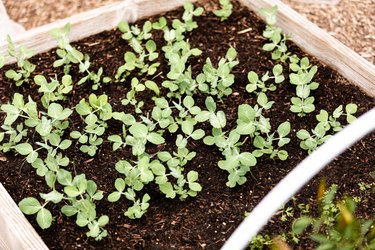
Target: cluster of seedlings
point(174, 114)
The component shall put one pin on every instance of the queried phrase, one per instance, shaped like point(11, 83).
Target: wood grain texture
point(90, 23)
point(83, 25)
point(320, 44)
point(15, 231)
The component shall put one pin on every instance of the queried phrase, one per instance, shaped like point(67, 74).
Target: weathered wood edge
point(320, 44)
point(15, 230)
point(307, 35)
point(90, 23)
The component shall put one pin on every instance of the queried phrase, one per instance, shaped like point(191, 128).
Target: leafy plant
point(69, 55)
point(326, 123)
point(32, 206)
point(259, 85)
point(277, 40)
point(332, 122)
point(337, 227)
point(303, 103)
point(25, 67)
point(225, 11)
point(96, 112)
point(265, 146)
point(53, 91)
point(217, 82)
point(138, 60)
point(188, 24)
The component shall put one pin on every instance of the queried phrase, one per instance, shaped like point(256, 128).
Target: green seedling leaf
point(44, 218)
point(29, 206)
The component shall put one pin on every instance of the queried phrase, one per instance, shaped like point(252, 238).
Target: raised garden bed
point(207, 220)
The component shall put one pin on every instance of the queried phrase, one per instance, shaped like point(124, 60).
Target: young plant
point(217, 82)
point(138, 60)
point(311, 141)
point(69, 55)
point(183, 186)
point(162, 114)
point(139, 136)
point(31, 206)
point(53, 91)
point(277, 40)
point(96, 112)
point(137, 86)
point(82, 194)
point(188, 24)
point(337, 226)
point(180, 80)
point(265, 146)
point(25, 67)
point(326, 123)
point(302, 78)
point(134, 32)
point(257, 85)
point(332, 122)
point(225, 11)
point(217, 119)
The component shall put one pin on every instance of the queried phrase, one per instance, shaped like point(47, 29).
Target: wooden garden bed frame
point(15, 231)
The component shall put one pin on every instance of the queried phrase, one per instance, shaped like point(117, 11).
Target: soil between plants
point(204, 222)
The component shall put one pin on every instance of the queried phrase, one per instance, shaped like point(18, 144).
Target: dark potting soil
point(207, 220)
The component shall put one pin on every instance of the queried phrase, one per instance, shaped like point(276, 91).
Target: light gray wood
point(320, 44)
point(16, 233)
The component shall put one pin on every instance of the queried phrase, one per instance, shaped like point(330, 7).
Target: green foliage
point(32, 206)
point(259, 85)
point(327, 123)
point(69, 55)
point(138, 60)
point(180, 79)
point(96, 112)
point(337, 227)
point(302, 78)
point(25, 67)
point(277, 40)
point(217, 82)
point(225, 11)
point(260, 241)
point(303, 71)
point(134, 32)
point(53, 91)
point(145, 171)
point(187, 24)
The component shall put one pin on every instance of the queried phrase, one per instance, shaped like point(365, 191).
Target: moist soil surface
point(207, 220)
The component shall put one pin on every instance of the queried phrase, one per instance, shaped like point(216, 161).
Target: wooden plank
point(320, 44)
point(83, 25)
point(90, 23)
point(15, 231)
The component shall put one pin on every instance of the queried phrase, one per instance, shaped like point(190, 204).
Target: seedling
point(259, 85)
point(303, 103)
point(337, 225)
point(70, 55)
point(277, 40)
point(96, 112)
point(326, 123)
point(25, 67)
point(225, 11)
point(217, 82)
point(53, 91)
point(188, 24)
